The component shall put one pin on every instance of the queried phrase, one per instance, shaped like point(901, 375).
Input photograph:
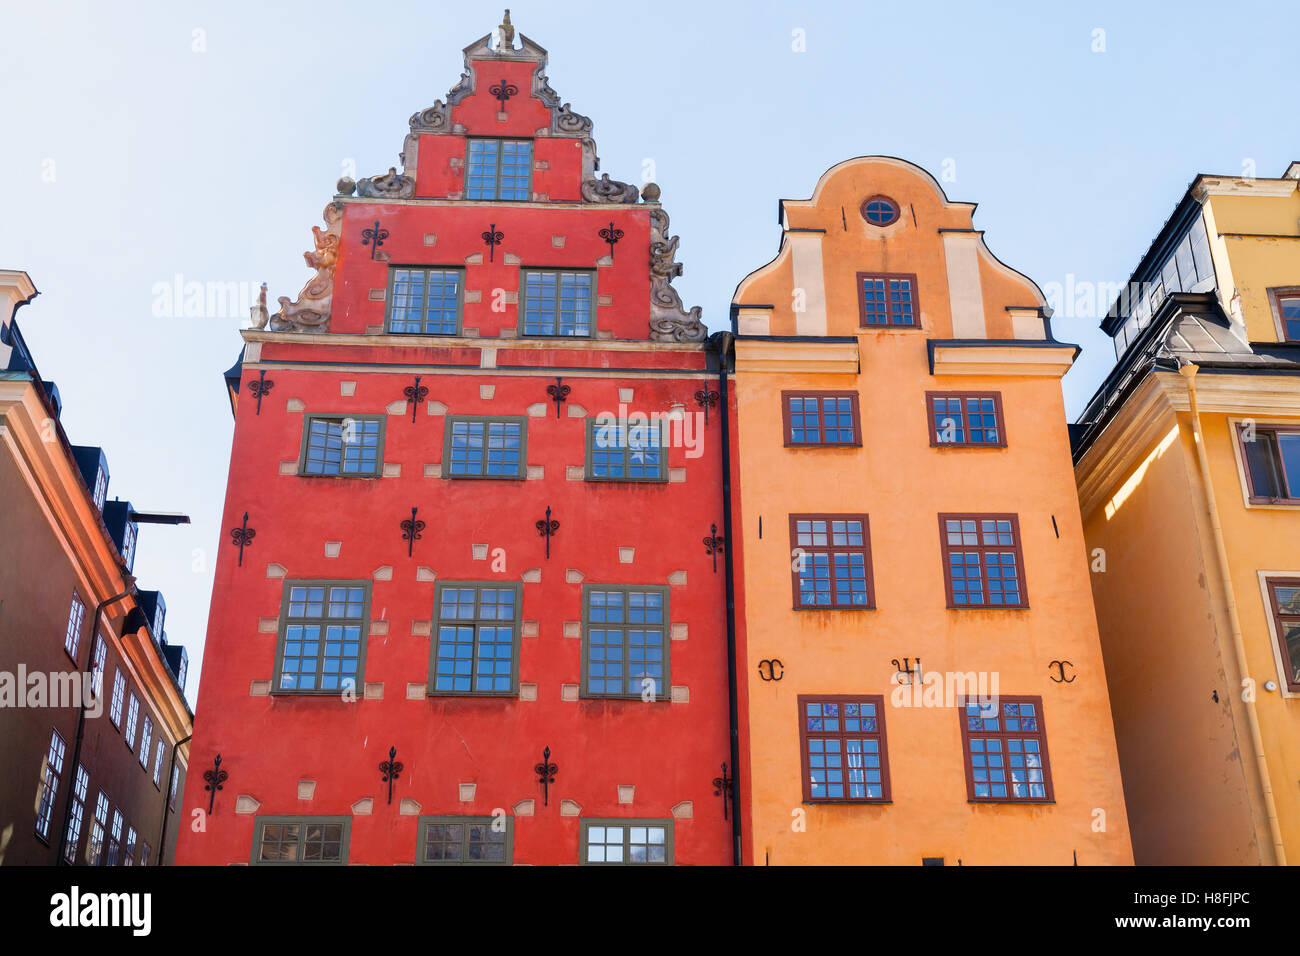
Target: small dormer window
point(499, 169)
point(128, 545)
point(880, 211)
point(101, 488)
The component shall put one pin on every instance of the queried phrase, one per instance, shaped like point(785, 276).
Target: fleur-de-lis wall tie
point(493, 238)
point(546, 775)
point(411, 528)
point(547, 529)
point(503, 91)
point(260, 387)
point(415, 394)
point(215, 780)
point(559, 392)
point(722, 788)
point(706, 399)
point(374, 238)
point(242, 537)
point(391, 769)
point(611, 236)
point(713, 544)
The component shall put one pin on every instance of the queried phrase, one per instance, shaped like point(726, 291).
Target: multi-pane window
point(1272, 457)
point(132, 718)
point(820, 418)
point(1284, 603)
point(498, 169)
point(130, 847)
point(624, 641)
point(557, 303)
point(476, 651)
point(80, 788)
point(158, 762)
point(627, 842)
point(484, 447)
point(119, 695)
point(72, 637)
point(830, 563)
point(1006, 750)
point(51, 773)
point(965, 418)
point(887, 301)
point(342, 446)
point(844, 755)
point(465, 840)
point(171, 790)
point(300, 840)
point(101, 488)
point(97, 830)
point(982, 561)
point(97, 665)
point(146, 736)
point(879, 210)
point(128, 544)
point(115, 840)
point(424, 301)
point(322, 636)
point(144, 854)
point(1288, 310)
point(626, 450)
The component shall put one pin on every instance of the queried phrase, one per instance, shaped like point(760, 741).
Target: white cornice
point(785, 356)
point(1002, 358)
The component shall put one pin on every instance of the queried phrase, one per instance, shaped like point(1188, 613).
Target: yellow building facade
point(1188, 468)
point(922, 679)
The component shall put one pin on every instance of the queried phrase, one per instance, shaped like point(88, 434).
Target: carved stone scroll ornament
point(669, 320)
point(605, 189)
point(567, 121)
point(431, 120)
point(391, 185)
point(311, 311)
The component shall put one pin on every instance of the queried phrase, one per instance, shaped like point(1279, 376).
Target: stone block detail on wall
point(347, 388)
point(245, 803)
point(363, 807)
point(306, 789)
point(259, 688)
point(384, 573)
point(379, 628)
point(570, 808)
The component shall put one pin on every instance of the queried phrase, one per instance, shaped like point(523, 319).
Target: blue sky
point(147, 141)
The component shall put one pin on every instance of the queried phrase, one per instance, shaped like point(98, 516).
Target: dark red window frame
point(1275, 461)
point(788, 424)
point(1278, 296)
point(896, 209)
point(913, 298)
point(964, 425)
point(831, 550)
point(1011, 760)
point(843, 736)
point(1281, 619)
point(983, 548)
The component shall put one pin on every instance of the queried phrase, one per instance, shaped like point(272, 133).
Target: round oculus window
point(880, 210)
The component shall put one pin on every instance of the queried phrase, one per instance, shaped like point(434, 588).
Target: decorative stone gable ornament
point(391, 185)
point(311, 311)
point(605, 189)
point(505, 34)
point(258, 313)
point(669, 321)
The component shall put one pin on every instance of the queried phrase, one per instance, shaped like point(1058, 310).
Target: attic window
point(880, 211)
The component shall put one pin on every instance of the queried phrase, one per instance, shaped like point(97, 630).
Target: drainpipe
point(81, 718)
point(721, 342)
point(1188, 372)
point(167, 801)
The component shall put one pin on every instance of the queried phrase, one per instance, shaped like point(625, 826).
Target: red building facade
point(470, 487)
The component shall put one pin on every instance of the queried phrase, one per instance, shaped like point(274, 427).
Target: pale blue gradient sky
point(214, 165)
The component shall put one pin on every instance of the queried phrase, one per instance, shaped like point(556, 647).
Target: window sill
point(966, 445)
point(809, 802)
point(485, 477)
point(1008, 801)
point(988, 607)
point(824, 444)
point(834, 607)
point(482, 695)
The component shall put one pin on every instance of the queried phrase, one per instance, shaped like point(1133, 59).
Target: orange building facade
point(921, 674)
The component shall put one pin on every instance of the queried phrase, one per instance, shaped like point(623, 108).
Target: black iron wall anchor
point(411, 528)
point(493, 238)
point(242, 537)
point(390, 769)
point(722, 788)
point(260, 387)
point(415, 394)
point(775, 669)
point(374, 238)
point(713, 544)
point(905, 672)
point(559, 393)
point(611, 236)
point(503, 91)
point(547, 529)
point(706, 399)
point(216, 778)
point(546, 775)
point(1060, 671)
